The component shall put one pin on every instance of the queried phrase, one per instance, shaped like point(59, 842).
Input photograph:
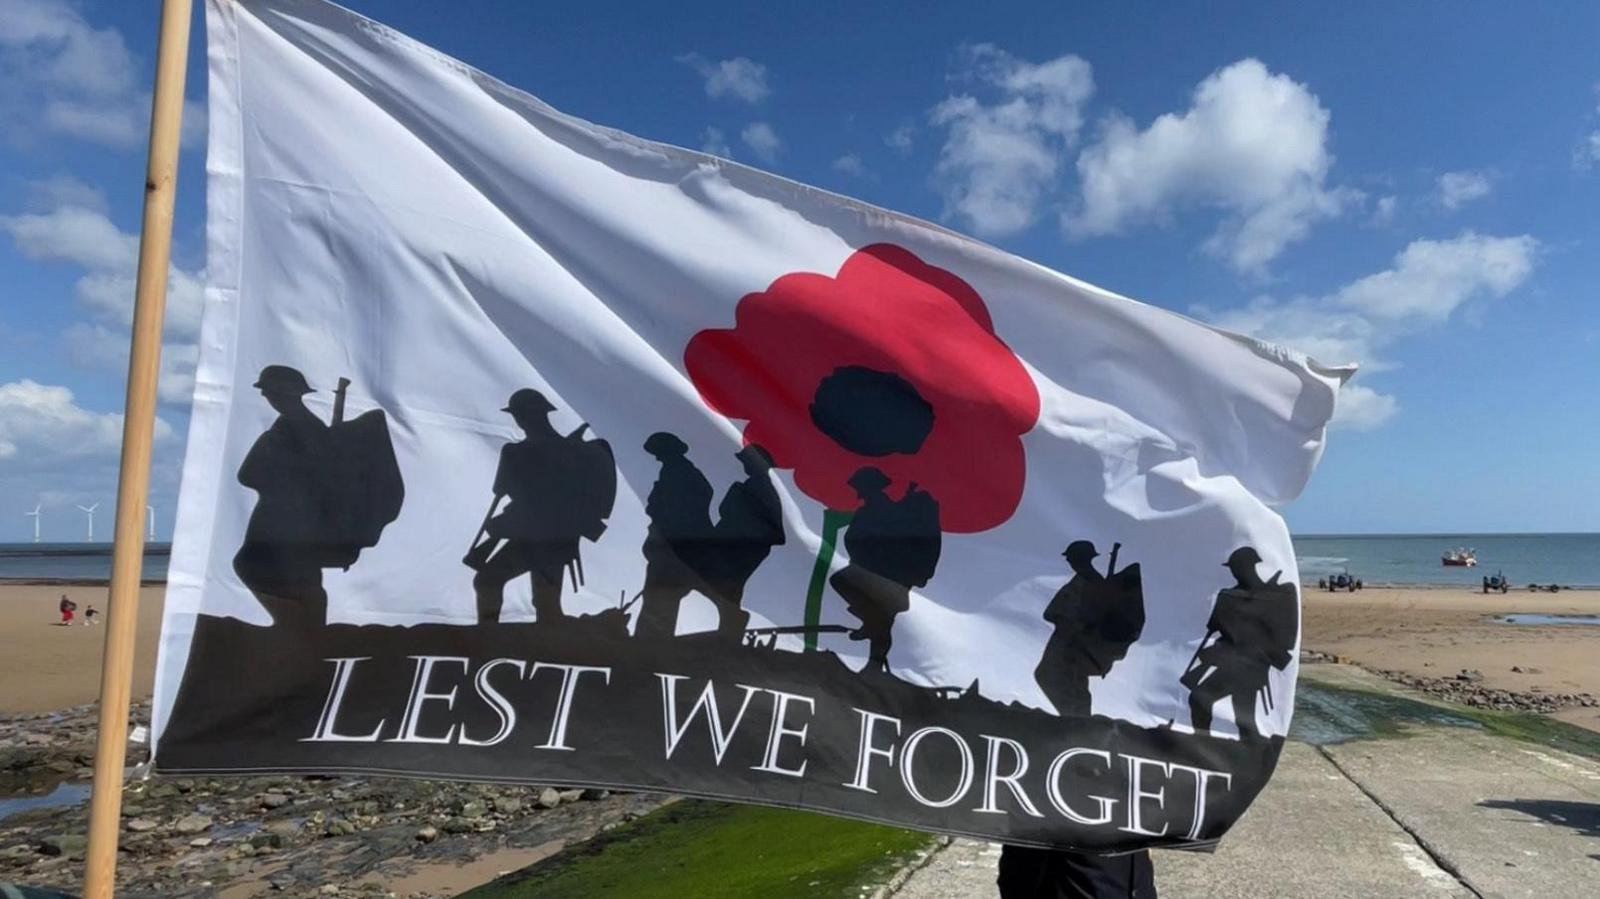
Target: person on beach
point(67, 608)
point(90, 615)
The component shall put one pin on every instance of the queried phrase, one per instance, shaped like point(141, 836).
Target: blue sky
point(1412, 186)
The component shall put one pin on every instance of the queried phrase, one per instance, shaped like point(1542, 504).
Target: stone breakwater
point(187, 838)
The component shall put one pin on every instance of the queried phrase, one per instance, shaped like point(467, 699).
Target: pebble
point(201, 836)
point(193, 824)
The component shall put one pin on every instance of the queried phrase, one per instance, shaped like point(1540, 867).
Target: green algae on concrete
point(713, 850)
point(1327, 714)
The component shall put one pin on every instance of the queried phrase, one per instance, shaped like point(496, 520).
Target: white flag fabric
point(524, 449)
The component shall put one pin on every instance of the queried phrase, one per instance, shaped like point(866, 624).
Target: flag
point(526, 450)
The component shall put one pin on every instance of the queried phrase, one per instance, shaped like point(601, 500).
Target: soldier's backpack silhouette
point(597, 472)
point(364, 487)
point(1122, 616)
point(907, 538)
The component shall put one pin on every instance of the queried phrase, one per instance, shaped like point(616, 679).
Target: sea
point(73, 561)
point(1571, 560)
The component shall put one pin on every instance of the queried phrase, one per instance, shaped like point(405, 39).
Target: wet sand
point(1439, 632)
point(44, 666)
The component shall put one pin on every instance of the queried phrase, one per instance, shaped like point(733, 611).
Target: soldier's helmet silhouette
point(282, 380)
point(1243, 562)
point(868, 480)
point(756, 459)
point(664, 446)
point(528, 401)
point(1080, 551)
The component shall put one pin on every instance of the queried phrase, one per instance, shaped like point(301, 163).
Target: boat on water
point(1461, 557)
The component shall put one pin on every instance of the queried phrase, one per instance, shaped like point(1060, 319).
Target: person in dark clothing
point(281, 557)
point(679, 507)
point(1028, 873)
point(749, 524)
point(560, 489)
point(893, 547)
point(1096, 619)
point(1254, 623)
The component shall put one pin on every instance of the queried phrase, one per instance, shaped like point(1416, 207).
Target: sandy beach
point(45, 667)
point(1439, 632)
point(1427, 632)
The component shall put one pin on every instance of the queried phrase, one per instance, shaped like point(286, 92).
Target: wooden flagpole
point(138, 427)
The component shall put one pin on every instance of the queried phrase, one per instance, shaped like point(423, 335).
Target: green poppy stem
point(831, 523)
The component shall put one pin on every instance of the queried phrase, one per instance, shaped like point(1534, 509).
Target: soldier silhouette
point(1096, 619)
point(679, 507)
point(893, 547)
point(749, 524)
point(326, 492)
point(1252, 629)
point(560, 489)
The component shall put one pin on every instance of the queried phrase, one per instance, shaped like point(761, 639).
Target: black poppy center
point(870, 412)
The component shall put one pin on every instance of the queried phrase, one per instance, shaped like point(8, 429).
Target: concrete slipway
point(1388, 798)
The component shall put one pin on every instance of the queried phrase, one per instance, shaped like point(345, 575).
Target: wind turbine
point(152, 512)
point(89, 510)
point(36, 517)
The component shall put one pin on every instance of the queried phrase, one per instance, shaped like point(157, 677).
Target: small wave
point(1321, 564)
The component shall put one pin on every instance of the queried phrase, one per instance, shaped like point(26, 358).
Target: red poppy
point(895, 365)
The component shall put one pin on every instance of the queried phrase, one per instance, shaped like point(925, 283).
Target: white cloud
point(61, 75)
point(850, 164)
point(1429, 280)
point(1252, 144)
point(1361, 408)
point(1432, 278)
point(40, 423)
point(73, 234)
point(1588, 152)
point(900, 139)
point(1001, 157)
point(713, 141)
point(1457, 189)
point(65, 190)
point(761, 140)
point(738, 78)
point(89, 240)
point(1383, 211)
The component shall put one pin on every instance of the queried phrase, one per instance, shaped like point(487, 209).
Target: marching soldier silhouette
point(1096, 619)
point(679, 507)
point(559, 490)
point(749, 524)
point(1252, 629)
point(893, 547)
point(326, 492)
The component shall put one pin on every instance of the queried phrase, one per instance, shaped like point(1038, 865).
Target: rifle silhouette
point(478, 552)
point(338, 400)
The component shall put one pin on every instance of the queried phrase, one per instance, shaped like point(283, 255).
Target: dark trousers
point(1215, 687)
point(1027, 873)
point(510, 562)
point(287, 583)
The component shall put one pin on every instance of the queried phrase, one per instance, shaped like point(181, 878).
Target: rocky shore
point(282, 836)
point(1467, 688)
